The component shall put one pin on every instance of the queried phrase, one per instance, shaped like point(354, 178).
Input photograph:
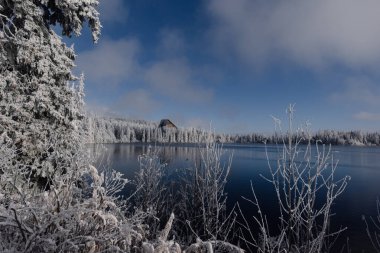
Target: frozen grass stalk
point(305, 186)
point(374, 235)
point(149, 180)
point(203, 196)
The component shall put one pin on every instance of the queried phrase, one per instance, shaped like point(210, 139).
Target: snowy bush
point(202, 196)
point(149, 180)
point(70, 217)
point(306, 189)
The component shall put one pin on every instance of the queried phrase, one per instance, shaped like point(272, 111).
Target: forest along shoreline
point(120, 130)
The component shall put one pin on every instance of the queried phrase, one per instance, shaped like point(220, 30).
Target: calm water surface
point(249, 161)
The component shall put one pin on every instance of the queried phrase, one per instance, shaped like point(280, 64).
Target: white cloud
point(367, 116)
point(113, 11)
point(172, 43)
point(318, 34)
point(172, 75)
point(110, 62)
point(176, 79)
point(113, 64)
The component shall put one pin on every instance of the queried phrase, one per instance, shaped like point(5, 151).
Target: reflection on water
point(249, 162)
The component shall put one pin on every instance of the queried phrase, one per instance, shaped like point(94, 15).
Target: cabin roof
point(166, 123)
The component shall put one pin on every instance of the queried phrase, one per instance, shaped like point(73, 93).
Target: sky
point(235, 63)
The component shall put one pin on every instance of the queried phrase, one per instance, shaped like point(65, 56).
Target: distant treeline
point(118, 130)
point(333, 137)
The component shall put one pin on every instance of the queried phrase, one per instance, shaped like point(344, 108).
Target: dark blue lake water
point(362, 164)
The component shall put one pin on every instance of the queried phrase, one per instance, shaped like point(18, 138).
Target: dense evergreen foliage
point(38, 104)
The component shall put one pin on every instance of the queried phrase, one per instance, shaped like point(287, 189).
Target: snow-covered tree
point(38, 106)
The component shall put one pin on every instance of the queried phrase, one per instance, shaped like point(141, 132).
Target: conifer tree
point(39, 108)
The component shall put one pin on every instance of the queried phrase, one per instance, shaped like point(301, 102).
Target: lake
point(362, 164)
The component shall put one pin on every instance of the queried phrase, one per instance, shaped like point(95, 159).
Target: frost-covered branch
point(374, 233)
point(306, 189)
point(203, 198)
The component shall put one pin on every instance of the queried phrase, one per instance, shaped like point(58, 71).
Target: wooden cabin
point(166, 124)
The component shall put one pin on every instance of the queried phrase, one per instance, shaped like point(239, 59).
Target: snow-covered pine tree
point(39, 110)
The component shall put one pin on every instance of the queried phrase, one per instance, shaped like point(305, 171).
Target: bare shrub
point(151, 195)
point(148, 180)
point(305, 188)
point(374, 234)
point(203, 197)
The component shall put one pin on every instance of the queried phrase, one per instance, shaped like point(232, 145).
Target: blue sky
point(236, 62)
